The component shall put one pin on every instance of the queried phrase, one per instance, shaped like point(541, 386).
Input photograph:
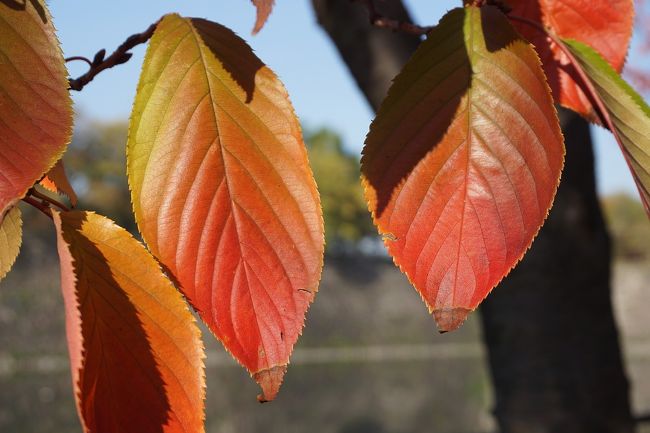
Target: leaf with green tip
point(11, 236)
point(135, 351)
point(223, 193)
point(626, 114)
point(462, 162)
point(35, 106)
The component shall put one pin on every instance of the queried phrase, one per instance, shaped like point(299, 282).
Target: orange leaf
point(35, 107)
point(606, 26)
point(56, 181)
point(223, 193)
point(11, 236)
point(135, 350)
point(264, 8)
point(463, 159)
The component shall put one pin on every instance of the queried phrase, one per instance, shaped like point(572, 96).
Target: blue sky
point(291, 43)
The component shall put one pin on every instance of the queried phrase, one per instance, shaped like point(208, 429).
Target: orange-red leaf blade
point(57, 181)
point(11, 237)
point(463, 160)
point(35, 106)
point(604, 25)
point(264, 8)
point(135, 350)
point(223, 193)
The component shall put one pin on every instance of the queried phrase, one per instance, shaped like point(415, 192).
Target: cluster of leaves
point(459, 168)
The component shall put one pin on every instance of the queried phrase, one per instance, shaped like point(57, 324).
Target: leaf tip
point(450, 319)
point(270, 380)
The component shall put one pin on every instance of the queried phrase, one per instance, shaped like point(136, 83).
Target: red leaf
point(56, 181)
point(606, 26)
point(35, 107)
point(135, 351)
point(264, 8)
point(463, 159)
point(223, 193)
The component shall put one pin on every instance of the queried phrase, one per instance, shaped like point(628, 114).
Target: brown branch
point(378, 20)
point(44, 198)
point(80, 58)
point(119, 56)
point(44, 208)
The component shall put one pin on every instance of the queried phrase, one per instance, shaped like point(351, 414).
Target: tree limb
point(119, 56)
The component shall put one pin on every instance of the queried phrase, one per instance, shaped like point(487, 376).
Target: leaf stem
point(45, 209)
point(81, 58)
point(45, 198)
point(380, 21)
point(119, 56)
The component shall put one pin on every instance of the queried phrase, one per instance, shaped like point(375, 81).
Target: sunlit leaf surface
point(35, 107)
point(11, 236)
point(223, 193)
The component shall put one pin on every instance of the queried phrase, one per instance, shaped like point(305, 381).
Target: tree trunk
point(552, 341)
point(549, 328)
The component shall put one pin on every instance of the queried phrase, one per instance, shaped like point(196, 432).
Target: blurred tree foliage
point(96, 166)
point(628, 226)
point(337, 174)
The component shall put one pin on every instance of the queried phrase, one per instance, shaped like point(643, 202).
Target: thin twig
point(33, 192)
point(80, 58)
point(119, 56)
point(378, 20)
point(38, 205)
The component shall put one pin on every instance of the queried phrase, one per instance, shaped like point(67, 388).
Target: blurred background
point(370, 359)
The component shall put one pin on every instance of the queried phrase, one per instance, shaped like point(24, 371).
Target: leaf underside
point(223, 193)
point(135, 350)
point(463, 160)
point(11, 236)
point(35, 106)
point(628, 114)
point(604, 25)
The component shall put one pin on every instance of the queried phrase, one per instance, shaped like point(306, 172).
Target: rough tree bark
point(551, 337)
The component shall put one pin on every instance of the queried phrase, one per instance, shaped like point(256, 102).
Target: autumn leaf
point(463, 160)
point(625, 113)
point(135, 350)
point(11, 236)
point(223, 193)
point(56, 181)
point(604, 25)
point(264, 8)
point(35, 106)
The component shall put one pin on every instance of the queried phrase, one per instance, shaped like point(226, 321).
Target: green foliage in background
point(337, 174)
point(628, 225)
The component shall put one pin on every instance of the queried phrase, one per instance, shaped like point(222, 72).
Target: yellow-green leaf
point(626, 114)
point(35, 106)
point(11, 236)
